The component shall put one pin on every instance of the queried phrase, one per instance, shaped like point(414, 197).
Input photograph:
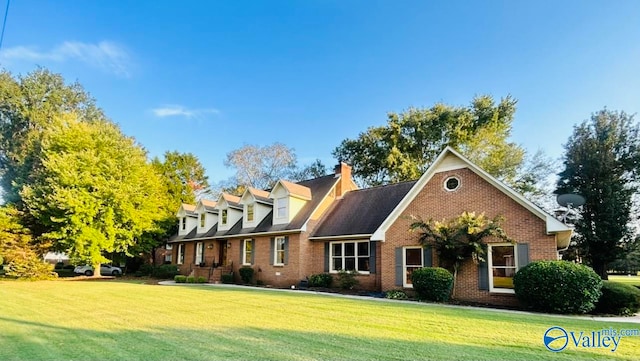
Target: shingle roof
point(232, 201)
point(297, 189)
point(362, 211)
point(191, 234)
point(260, 195)
point(189, 209)
point(209, 205)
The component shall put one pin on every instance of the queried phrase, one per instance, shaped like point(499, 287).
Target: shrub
point(227, 278)
point(432, 283)
point(557, 286)
point(347, 279)
point(164, 271)
point(191, 279)
point(320, 280)
point(59, 265)
point(396, 295)
point(618, 299)
point(201, 280)
point(144, 270)
point(27, 265)
point(246, 274)
point(180, 279)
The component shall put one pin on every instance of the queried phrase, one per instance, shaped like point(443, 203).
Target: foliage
point(246, 274)
point(320, 280)
point(184, 177)
point(145, 269)
point(191, 279)
point(165, 271)
point(227, 278)
point(180, 279)
point(459, 239)
point(316, 169)
point(410, 141)
point(557, 286)
point(618, 299)
point(432, 283)
point(396, 295)
point(628, 262)
point(94, 191)
point(261, 167)
point(201, 279)
point(347, 279)
point(27, 265)
point(59, 265)
point(601, 163)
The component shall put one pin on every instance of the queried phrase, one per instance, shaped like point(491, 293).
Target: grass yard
point(630, 280)
point(111, 320)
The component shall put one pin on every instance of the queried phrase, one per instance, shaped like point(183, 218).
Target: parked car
point(105, 270)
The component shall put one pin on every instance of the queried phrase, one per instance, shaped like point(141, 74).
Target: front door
point(222, 256)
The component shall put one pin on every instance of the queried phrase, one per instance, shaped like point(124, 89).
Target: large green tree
point(410, 141)
point(94, 191)
point(28, 105)
point(184, 176)
point(601, 163)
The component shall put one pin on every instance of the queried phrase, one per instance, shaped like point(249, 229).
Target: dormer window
point(281, 210)
point(184, 223)
point(224, 216)
point(250, 213)
point(202, 220)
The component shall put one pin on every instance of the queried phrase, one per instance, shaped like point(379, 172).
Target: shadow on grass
point(33, 340)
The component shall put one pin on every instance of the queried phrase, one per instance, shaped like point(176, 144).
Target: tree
point(261, 167)
point(601, 163)
point(94, 191)
point(184, 176)
point(405, 147)
point(459, 239)
point(314, 170)
point(27, 107)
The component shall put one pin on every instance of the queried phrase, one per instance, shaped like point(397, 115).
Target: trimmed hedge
point(558, 287)
point(618, 299)
point(201, 279)
point(432, 283)
point(320, 280)
point(246, 274)
point(180, 279)
point(191, 279)
point(227, 278)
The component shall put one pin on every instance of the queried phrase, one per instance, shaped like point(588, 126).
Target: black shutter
point(523, 254)
point(272, 250)
point(194, 251)
point(427, 257)
point(242, 245)
point(326, 257)
point(286, 249)
point(372, 257)
point(399, 272)
point(483, 275)
point(253, 250)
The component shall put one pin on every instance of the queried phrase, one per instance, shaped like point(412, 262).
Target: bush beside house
point(618, 299)
point(432, 283)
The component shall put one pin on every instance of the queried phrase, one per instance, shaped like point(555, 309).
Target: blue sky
point(209, 76)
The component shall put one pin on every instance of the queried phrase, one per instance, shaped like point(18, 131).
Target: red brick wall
point(473, 195)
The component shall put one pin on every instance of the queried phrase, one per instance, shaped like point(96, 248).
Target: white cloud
point(104, 55)
point(180, 111)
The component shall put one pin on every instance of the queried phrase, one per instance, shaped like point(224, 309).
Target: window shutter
point(427, 257)
point(286, 249)
point(372, 257)
point(242, 246)
point(272, 250)
point(523, 254)
point(483, 276)
point(326, 257)
point(253, 250)
point(399, 273)
point(195, 251)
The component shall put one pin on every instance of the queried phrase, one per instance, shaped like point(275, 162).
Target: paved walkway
point(633, 319)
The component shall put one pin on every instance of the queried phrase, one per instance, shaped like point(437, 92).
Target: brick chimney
point(343, 170)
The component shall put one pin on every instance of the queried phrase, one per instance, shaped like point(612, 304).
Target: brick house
point(327, 224)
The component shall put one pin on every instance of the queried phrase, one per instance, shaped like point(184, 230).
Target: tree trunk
point(455, 278)
point(601, 269)
point(96, 269)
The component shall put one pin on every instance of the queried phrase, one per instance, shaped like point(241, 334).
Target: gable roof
point(231, 200)
point(449, 159)
point(189, 210)
point(209, 205)
point(295, 189)
point(258, 194)
point(346, 218)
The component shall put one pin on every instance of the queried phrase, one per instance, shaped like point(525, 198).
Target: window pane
point(349, 249)
point(363, 264)
point(280, 257)
point(337, 264)
point(337, 249)
point(408, 274)
point(349, 263)
point(413, 257)
point(280, 244)
point(502, 256)
point(503, 277)
point(363, 249)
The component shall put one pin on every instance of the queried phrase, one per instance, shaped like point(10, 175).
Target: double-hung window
point(184, 223)
point(199, 252)
point(180, 253)
point(281, 207)
point(412, 259)
point(502, 261)
point(202, 218)
point(279, 251)
point(250, 213)
point(167, 255)
point(349, 256)
point(247, 252)
point(224, 216)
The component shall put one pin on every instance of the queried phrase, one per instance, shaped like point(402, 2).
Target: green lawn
point(110, 320)
point(630, 280)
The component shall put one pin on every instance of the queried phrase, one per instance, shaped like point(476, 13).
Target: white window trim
point(447, 180)
point(332, 270)
point(224, 217)
point(184, 223)
point(404, 264)
point(253, 213)
point(180, 254)
point(203, 222)
point(490, 267)
point(244, 251)
point(275, 250)
point(168, 247)
point(286, 207)
point(199, 252)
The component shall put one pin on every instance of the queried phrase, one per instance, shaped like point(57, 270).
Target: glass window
point(250, 212)
point(202, 220)
point(167, 258)
point(247, 252)
point(279, 251)
point(180, 253)
point(168, 247)
point(224, 216)
point(282, 207)
point(199, 252)
point(184, 222)
point(502, 267)
point(412, 262)
point(451, 183)
point(350, 256)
